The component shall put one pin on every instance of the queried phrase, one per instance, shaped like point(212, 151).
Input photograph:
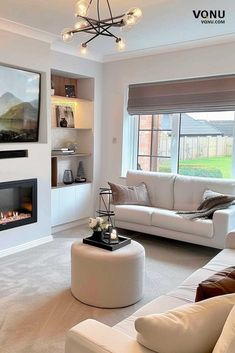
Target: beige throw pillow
point(130, 195)
point(226, 341)
point(191, 328)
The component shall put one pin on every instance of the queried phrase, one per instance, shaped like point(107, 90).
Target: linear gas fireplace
point(18, 203)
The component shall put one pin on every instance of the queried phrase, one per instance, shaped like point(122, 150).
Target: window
point(154, 143)
point(199, 144)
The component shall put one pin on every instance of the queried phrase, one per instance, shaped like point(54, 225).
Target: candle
point(113, 235)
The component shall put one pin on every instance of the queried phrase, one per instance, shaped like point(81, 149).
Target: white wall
point(34, 55)
point(198, 62)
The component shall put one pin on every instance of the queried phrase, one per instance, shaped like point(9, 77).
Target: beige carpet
point(37, 308)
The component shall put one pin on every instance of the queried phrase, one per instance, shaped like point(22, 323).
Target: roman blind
point(194, 95)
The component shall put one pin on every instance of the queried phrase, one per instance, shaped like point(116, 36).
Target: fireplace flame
point(12, 216)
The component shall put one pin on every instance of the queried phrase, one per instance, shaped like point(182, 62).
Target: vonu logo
point(210, 16)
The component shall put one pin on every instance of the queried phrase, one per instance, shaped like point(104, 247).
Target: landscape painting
point(19, 105)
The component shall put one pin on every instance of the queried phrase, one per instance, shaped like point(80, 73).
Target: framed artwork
point(19, 105)
point(64, 116)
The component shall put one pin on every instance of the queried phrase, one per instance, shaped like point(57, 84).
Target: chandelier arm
point(89, 5)
point(94, 26)
point(110, 34)
point(113, 24)
point(110, 11)
point(105, 20)
point(104, 30)
point(88, 30)
point(89, 40)
point(98, 10)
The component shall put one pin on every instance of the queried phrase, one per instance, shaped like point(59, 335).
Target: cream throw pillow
point(226, 341)
point(191, 328)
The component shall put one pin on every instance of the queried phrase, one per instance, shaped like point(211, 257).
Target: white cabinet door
point(83, 201)
point(67, 205)
point(55, 207)
point(70, 203)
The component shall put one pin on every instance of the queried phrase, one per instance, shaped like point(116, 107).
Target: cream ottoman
point(107, 279)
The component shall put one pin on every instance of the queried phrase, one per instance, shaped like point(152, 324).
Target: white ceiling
point(165, 24)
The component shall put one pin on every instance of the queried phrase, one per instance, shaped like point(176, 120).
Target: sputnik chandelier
point(100, 27)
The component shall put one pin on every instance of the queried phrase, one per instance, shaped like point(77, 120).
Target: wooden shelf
point(71, 155)
point(72, 99)
point(71, 128)
point(60, 185)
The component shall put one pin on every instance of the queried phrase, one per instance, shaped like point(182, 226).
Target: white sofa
point(91, 336)
point(169, 193)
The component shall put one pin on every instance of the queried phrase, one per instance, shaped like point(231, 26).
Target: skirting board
point(69, 225)
point(25, 246)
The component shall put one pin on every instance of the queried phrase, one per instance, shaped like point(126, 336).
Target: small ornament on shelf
point(52, 88)
point(80, 178)
point(70, 91)
point(72, 145)
point(68, 177)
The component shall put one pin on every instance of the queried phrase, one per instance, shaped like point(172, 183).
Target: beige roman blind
point(194, 95)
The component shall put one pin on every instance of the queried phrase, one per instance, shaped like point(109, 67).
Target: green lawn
point(214, 166)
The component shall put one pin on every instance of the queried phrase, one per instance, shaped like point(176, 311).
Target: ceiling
point(165, 24)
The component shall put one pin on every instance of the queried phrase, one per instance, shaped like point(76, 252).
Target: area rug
point(37, 307)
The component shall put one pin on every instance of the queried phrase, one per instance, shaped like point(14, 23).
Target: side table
point(107, 279)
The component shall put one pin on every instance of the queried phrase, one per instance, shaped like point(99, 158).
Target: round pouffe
point(107, 279)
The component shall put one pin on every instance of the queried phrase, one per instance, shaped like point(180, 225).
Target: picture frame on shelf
point(70, 91)
point(64, 116)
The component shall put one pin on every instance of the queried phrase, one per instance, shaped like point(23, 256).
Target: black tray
point(123, 241)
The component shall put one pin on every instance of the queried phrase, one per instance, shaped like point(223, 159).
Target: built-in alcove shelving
point(75, 197)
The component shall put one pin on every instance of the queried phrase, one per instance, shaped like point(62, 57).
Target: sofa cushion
point(160, 186)
point(134, 214)
point(225, 258)
point(193, 328)
point(187, 288)
point(170, 220)
point(188, 191)
point(130, 195)
point(226, 341)
point(158, 305)
point(220, 283)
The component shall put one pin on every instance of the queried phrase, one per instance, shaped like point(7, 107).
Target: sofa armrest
point(224, 222)
point(230, 240)
point(91, 336)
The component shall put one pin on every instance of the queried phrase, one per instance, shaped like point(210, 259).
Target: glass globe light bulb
point(80, 24)
point(83, 49)
point(81, 8)
point(137, 12)
point(67, 35)
point(132, 16)
point(120, 44)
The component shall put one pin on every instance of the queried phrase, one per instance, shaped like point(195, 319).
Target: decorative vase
point(68, 177)
point(97, 235)
point(63, 122)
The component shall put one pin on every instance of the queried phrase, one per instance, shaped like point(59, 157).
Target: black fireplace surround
point(18, 203)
